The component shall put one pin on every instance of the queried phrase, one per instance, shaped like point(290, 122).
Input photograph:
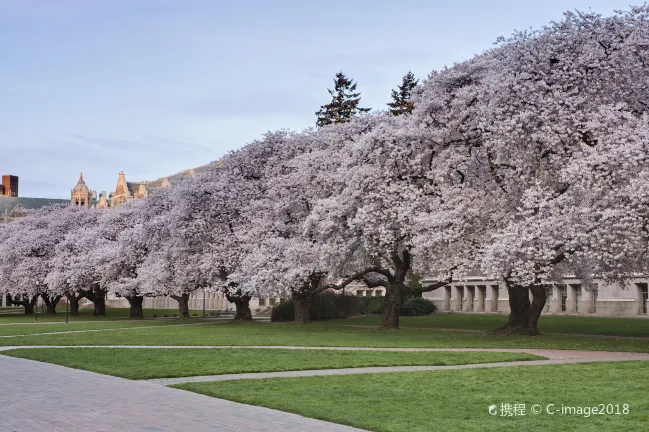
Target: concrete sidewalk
point(45, 397)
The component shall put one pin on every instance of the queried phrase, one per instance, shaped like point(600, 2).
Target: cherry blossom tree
point(515, 117)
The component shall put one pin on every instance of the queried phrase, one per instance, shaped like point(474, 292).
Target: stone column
point(467, 301)
point(555, 300)
point(456, 298)
point(586, 305)
point(480, 292)
point(491, 302)
point(446, 303)
point(503, 299)
point(570, 299)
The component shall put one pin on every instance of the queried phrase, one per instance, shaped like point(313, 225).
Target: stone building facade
point(476, 294)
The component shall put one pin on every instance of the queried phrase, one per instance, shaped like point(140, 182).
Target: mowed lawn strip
point(333, 333)
point(39, 328)
point(456, 399)
point(167, 363)
point(612, 326)
point(85, 314)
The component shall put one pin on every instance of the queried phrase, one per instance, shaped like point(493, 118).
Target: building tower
point(80, 194)
point(9, 186)
point(122, 193)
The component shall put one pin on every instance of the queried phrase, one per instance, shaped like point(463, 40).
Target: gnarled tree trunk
point(396, 289)
point(540, 296)
point(301, 307)
point(98, 297)
point(242, 304)
point(28, 304)
point(519, 307)
point(183, 305)
point(50, 303)
point(395, 296)
point(73, 301)
point(136, 311)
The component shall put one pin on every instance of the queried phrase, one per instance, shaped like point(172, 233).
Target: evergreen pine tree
point(401, 103)
point(344, 103)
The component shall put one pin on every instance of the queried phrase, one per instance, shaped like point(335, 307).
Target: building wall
point(570, 297)
point(213, 301)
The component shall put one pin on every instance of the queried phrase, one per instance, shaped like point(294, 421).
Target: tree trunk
point(27, 304)
point(242, 303)
point(98, 297)
point(519, 308)
point(100, 304)
point(394, 299)
point(74, 305)
point(183, 305)
point(540, 296)
point(243, 312)
point(301, 308)
point(73, 301)
point(50, 303)
point(29, 308)
point(136, 311)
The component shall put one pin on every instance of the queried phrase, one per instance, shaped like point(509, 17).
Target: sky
point(154, 87)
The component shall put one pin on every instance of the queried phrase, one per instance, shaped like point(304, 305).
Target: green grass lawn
point(85, 314)
point(165, 363)
point(456, 400)
point(333, 333)
point(548, 324)
point(54, 327)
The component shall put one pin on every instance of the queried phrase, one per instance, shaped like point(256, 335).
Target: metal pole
point(67, 304)
point(203, 303)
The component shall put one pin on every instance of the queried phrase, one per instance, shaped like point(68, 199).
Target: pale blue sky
point(152, 87)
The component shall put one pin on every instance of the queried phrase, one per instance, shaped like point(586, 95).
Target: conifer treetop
point(401, 103)
point(344, 102)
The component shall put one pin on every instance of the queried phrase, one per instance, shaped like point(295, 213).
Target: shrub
point(324, 306)
point(371, 305)
point(282, 311)
point(346, 305)
point(417, 306)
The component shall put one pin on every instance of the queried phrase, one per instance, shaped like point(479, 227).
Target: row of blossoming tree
point(525, 163)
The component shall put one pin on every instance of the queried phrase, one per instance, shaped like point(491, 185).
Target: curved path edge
point(553, 357)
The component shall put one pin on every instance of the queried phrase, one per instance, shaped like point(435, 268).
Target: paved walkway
point(44, 397)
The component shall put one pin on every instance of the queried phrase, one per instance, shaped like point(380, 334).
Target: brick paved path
point(44, 397)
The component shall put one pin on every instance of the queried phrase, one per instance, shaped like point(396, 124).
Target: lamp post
point(36, 304)
point(67, 302)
